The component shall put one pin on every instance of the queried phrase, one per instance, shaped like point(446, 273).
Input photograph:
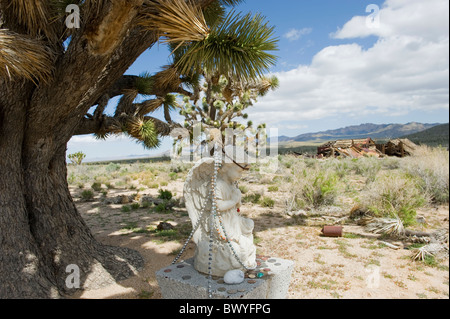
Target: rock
point(234, 277)
point(300, 213)
point(421, 219)
point(164, 226)
point(124, 199)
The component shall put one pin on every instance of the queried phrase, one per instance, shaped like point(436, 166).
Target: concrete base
point(182, 281)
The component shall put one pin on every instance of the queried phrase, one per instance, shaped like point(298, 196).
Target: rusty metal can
point(332, 231)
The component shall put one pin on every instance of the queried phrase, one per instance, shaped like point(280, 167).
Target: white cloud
point(407, 69)
point(295, 34)
point(417, 18)
point(90, 139)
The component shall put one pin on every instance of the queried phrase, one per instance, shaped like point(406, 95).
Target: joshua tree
point(51, 76)
point(76, 158)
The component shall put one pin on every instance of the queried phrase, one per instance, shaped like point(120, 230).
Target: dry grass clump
point(431, 167)
point(310, 185)
point(393, 194)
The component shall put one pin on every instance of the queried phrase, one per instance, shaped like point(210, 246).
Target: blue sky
point(336, 68)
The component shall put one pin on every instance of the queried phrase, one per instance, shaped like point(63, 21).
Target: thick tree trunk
point(41, 231)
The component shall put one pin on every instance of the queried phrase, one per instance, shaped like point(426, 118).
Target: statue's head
point(235, 162)
point(232, 171)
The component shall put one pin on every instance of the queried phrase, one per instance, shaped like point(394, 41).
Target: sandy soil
point(354, 266)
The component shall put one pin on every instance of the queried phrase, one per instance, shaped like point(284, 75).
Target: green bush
point(393, 194)
point(112, 167)
point(251, 198)
point(173, 176)
point(267, 202)
point(321, 189)
point(96, 186)
point(272, 188)
point(243, 189)
point(311, 185)
point(163, 207)
point(430, 166)
point(165, 194)
point(125, 209)
point(87, 195)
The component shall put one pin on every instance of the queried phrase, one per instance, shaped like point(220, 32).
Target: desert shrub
point(267, 202)
point(272, 188)
point(179, 167)
point(173, 176)
point(311, 186)
point(251, 198)
point(165, 194)
point(112, 167)
point(243, 189)
point(163, 207)
point(125, 209)
point(87, 195)
point(367, 167)
point(135, 206)
point(341, 166)
point(96, 186)
point(109, 185)
point(393, 194)
point(431, 167)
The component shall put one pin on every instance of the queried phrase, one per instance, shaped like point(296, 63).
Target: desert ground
point(120, 204)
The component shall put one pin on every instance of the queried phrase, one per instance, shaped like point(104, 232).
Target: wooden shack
point(399, 147)
point(354, 148)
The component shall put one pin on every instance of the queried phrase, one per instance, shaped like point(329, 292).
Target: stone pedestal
point(182, 281)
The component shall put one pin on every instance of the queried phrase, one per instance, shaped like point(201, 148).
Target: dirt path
point(354, 266)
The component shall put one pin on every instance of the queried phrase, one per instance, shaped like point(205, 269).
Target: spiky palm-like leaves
point(144, 131)
point(32, 16)
point(178, 21)
point(23, 56)
point(239, 46)
point(389, 226)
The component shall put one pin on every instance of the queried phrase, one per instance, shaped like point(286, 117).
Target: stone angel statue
point(227, 234)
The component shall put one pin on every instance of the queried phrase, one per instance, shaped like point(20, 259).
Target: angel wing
point(196, 194)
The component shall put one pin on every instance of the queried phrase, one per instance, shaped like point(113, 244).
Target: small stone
point(180, 266)
point(259, 275)
point(252, 276)
point(164, 226)
point(233, 277)
point(186, 277)
point(252, 281)
point(220, 281)
point(266, 269)
point(167, 270)
point(278, 264)
point(271, 260)
point(221, 289)
point(242, 290)
point(232, 291)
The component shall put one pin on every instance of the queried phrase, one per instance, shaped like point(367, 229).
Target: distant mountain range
point(374, 131)
point(435, 136)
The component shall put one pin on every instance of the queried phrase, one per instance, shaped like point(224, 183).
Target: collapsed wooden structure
point(399, 147)
point(356, 148)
